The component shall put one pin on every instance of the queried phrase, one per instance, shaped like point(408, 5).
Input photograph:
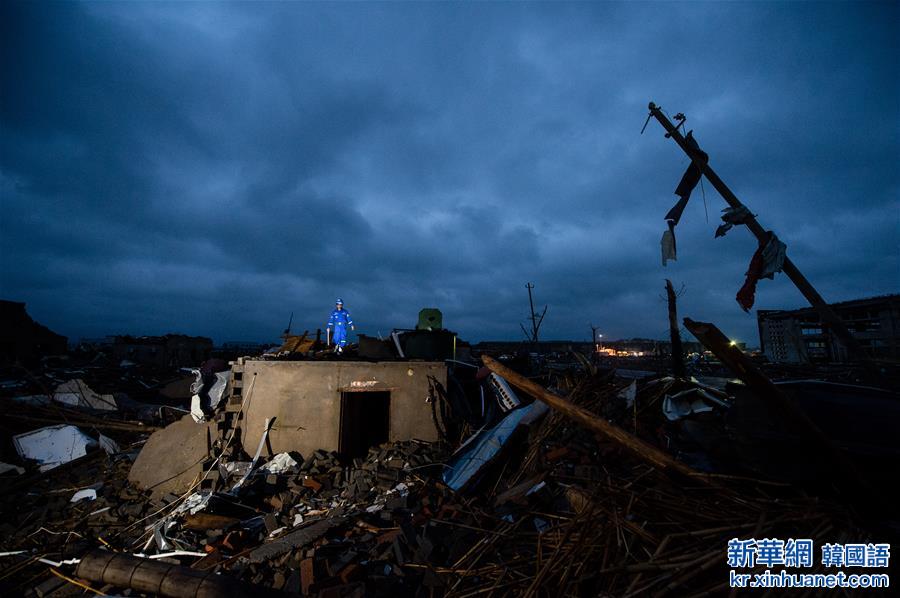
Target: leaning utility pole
point(677, 353)
point(825, 312)
point(535, 320)
point(287, 331)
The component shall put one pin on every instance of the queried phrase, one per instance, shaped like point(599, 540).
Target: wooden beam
point(639, 448)
point(87, 422)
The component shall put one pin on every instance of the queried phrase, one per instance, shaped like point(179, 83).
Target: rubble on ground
point(557, 509)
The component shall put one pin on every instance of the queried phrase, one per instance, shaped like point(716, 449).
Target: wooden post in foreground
point(640, 449)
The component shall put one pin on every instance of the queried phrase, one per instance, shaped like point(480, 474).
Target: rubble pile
point(53, 517)
point(309, 523)
point(354, 511)
point(553, 508)
point(579, 517)
point(34, 504)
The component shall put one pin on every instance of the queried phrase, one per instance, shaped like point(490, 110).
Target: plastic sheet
point(78, 394)
point(54, 445)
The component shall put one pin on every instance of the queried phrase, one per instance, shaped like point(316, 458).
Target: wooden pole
point(640, 449)
point(825, 312)
point(88, 422)
point(677, 353)
point(534, 334)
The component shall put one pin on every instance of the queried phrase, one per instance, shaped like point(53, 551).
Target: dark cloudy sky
point(210, 168)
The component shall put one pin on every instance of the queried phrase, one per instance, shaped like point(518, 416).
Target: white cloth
point(773, 255)
point(668, 247)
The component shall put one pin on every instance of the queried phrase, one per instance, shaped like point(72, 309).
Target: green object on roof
point(430, 318)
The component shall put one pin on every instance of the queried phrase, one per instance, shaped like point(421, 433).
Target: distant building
point(798, 336)
point(23, 339)
point(171, 350)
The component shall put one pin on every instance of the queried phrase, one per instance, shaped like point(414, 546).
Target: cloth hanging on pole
point(773, 257)
point(674, 215)
point(732, 216)
point(766, 261)
point(689, 179)
point(667, 244)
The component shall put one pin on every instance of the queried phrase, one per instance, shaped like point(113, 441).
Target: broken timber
point(677, 353)
point(735, 359)
point(827, 314)
point(642, 450)
point(295, 539)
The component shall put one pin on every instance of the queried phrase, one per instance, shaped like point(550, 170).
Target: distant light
point(733, 343)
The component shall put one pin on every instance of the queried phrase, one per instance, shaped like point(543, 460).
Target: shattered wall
point(304, 397)
point(172, 459)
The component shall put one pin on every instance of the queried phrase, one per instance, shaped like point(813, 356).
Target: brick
point(307, 575)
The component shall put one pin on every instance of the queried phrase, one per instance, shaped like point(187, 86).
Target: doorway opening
point(365, 421)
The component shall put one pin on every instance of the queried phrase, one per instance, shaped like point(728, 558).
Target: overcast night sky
point(211, 168)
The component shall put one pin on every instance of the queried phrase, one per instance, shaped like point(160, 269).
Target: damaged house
point(302, 406)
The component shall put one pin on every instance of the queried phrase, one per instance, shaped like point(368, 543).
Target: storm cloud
point(211, 168)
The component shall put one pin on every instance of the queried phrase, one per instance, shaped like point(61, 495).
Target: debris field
point(569, 504)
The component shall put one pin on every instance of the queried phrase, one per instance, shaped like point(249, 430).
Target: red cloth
point(747, 295)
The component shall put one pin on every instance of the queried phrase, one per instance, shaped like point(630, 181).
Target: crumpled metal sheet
point(54, 445)
point(488, 443)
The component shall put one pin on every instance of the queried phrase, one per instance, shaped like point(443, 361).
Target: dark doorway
point(365, 421)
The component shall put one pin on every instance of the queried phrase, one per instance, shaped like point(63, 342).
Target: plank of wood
point(295, 539)
point(639, 448)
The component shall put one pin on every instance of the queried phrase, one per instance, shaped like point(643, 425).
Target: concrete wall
point(305, 399)
point(173, 457)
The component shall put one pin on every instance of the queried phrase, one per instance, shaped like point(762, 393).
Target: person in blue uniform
point(338, 323)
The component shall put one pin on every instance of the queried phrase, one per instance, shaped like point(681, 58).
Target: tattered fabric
point(732, 216)
point(690, 178)
point(766, 261)
point(667, 244)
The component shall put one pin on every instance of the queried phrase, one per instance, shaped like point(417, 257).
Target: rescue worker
point(338, 321)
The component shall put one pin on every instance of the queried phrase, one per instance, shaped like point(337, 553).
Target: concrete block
point(172, 457)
